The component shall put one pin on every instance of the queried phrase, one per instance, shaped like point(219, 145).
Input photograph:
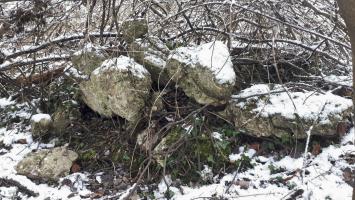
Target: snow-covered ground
point(319, 177)
point(323, 178)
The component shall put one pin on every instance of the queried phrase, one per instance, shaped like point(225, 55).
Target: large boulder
point(120, 86)
point(152, 53)
point(47, 164)
point(205, 72)
point(262, 111)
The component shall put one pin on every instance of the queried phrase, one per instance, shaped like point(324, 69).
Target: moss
point(88, 155)
point(275, 170)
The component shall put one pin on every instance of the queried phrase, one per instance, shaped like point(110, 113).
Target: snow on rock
point(213, 56)
point(272, 111)
point(122, 64)
point(40, 117)
point(204, 72)
point(120, 86)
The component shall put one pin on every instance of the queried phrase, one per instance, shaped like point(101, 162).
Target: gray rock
point(152, 54)
point(88, 59)
point(120, 86)
point(64, 115)
point(47, 164)
point(134, 28)
point(204, 72)
point(292, 114)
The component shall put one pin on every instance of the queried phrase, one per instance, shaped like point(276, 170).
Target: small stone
point(47, 164)
point(41, 124)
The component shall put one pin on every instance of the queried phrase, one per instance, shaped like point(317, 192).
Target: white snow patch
point(6, 102)
point(122, 63)
point(40, 117)
point(154, 59)
point(289, 163)
point(217, 136)
point(253, 90)
point(349, 138)
point(249, 153)
point(213, 55)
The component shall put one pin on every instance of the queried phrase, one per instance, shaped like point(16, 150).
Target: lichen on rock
point(120, 86)
point(47, 164)
point(261, 111)
point(205, 72)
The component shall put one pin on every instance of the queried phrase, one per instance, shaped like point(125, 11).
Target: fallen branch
point(5, 67)
point(57, 41)
point(4, 182)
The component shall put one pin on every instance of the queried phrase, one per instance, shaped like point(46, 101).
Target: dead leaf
point(21, 141)
point(75, 168)
point(97, 194)
point(342, 128)
point(316, 149)
point(255, 146)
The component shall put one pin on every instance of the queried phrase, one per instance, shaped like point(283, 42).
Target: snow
point(323, 181)
point(343, 80)
point(122, 63)
point(289, 163)
point(249, 153)
point(154, 59)
point(213, 56)
point(9, 160)
point(307, 105)
point(206, 174)
point(217, 136)
point(40, 117)
point(6, 102)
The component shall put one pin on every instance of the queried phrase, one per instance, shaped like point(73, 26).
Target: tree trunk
point(347, 11)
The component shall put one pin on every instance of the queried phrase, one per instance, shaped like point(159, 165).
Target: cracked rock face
point(205, 72)
point(120, 86)
point(47, 164)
